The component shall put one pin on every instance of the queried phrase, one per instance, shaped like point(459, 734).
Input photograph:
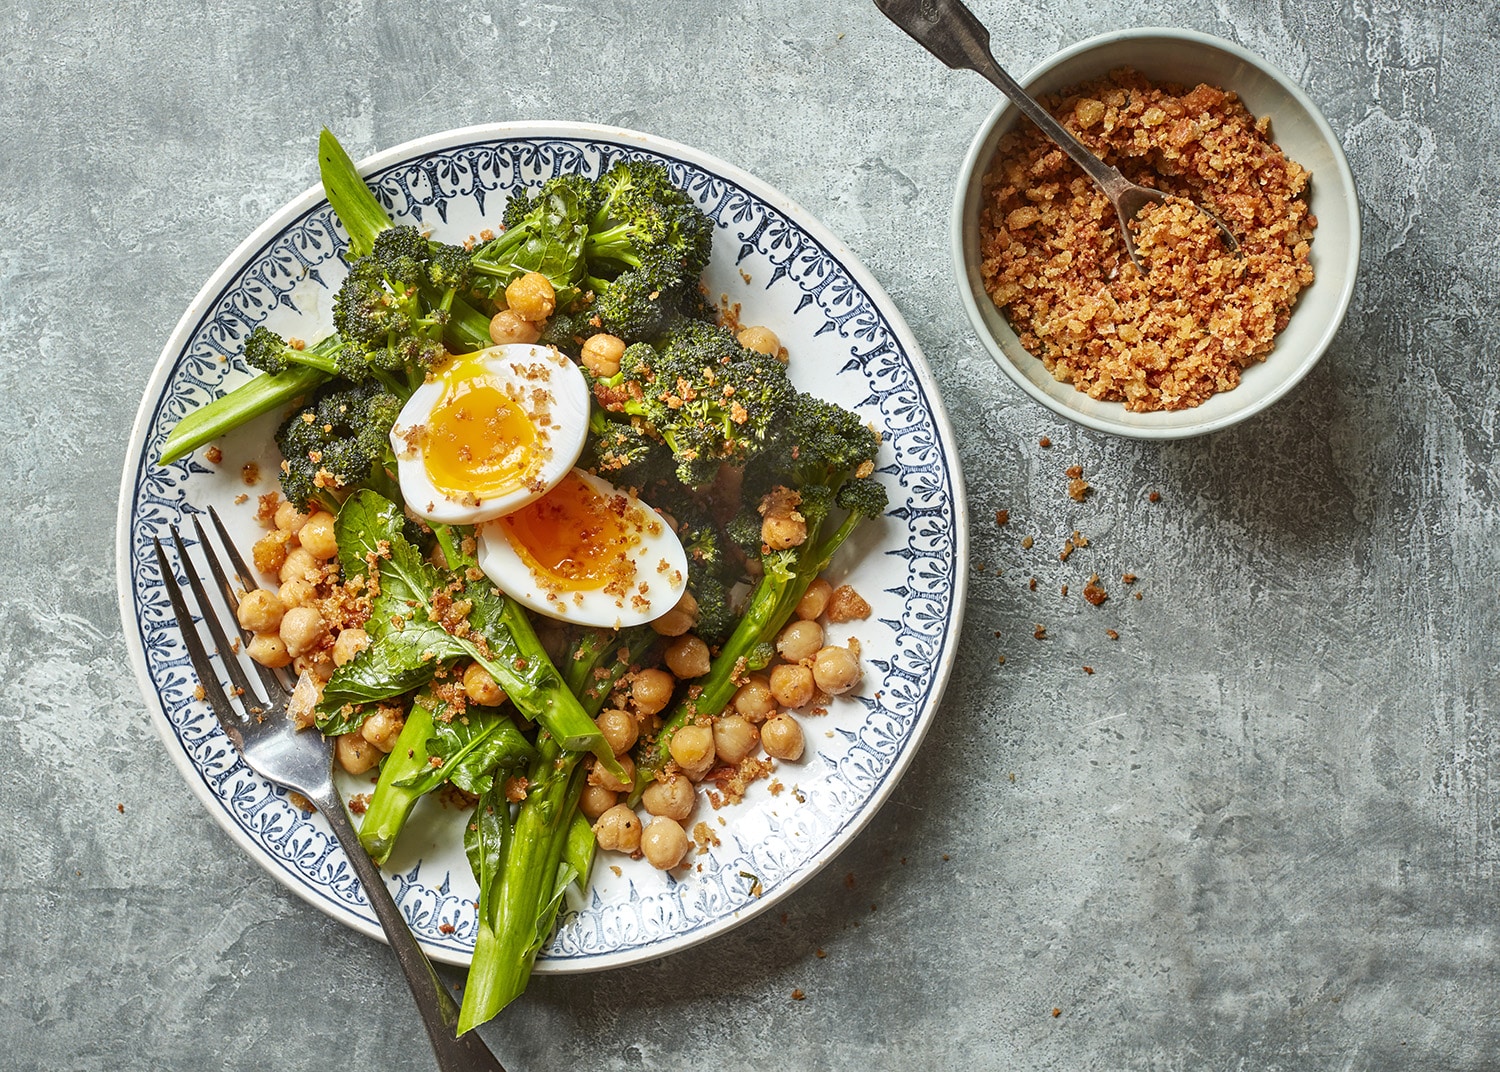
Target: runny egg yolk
point(575, 539)
point(477, 441)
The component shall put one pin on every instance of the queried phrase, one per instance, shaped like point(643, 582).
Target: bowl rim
point(1343, 176)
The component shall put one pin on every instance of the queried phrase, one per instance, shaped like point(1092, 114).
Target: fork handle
point(465, 1053)
point(952, 33)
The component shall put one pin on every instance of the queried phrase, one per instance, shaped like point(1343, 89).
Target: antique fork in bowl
point(261, 727)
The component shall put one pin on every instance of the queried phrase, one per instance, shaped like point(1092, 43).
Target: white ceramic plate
point(848, 343)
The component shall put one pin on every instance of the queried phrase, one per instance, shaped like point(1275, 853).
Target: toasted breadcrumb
point(846, 605)
point(1054, 261)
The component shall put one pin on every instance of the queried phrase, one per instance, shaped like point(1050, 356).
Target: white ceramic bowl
point(1186, 57)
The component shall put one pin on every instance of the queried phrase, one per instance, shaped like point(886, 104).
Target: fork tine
point(203, 665)
point(242, 571)
point(269, 679)
point(211, 619)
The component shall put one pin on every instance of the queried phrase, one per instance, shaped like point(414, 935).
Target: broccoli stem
point(467, 329)
point(528, 676)
point(771, 604)
point(243, 404)
point(391, 804)
point(578, 849)
point(552, 843)
point(612, 245)
point(524, 906)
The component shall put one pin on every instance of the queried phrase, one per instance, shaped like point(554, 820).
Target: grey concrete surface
point(1262, 835)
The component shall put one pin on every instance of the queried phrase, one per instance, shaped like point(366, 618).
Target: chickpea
point(780, 533)
point(673, 797)
point(792, 686)
point(664, 843)
point(754, 701)
point(383, 727)
point(302, 630)
point(601, 354)
point(815, 600)
point(618, 829)
point(317, 536)
point(782, 738)
point(835, 670)
point(679, 619)
point(260, 611)
point(799, 641)
point(506, 326)
point(531, 297)
point(296, 593)
point(348, 644)
point(760, 339)
point(269, 551)
point(620, 728)
point(300, 565)
point(687, 657)
point(268, 650)
point(595, 800)
point(289, 518)
point(481, 688)
point(315, 664)
point(734, 738)
point(692, 748)
point(599, 775)
point(355, 754)
point(651, 690)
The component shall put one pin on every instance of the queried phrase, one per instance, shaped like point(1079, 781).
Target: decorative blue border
point(921, 471)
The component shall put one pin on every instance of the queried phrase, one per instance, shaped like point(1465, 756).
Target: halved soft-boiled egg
point(490, 432)
point(586, 552)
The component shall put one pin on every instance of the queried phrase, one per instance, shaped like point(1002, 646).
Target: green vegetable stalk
point(469, 750)
point(547, 849)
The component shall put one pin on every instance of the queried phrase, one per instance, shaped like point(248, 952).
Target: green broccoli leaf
point(411, 637)
point(549, 239)
point(472, 747)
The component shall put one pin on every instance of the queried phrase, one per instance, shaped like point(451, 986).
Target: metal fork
point(952, 33)
point(271, 745)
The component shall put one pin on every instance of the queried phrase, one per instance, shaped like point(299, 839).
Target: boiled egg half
point(490, 432)
point(586, 552)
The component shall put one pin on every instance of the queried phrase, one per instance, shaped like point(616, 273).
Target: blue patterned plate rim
point(947, 517)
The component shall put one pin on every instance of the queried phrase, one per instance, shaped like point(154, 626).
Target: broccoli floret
point(340, 440)
point(625, 454)
point(633, 306)
point(648, 244)
point(819, 462)
point(865, 496)
point(395, 305)
point(643, 221)
point(568, 330)
point(269, 352)
point(712, 572)
point(706, 397)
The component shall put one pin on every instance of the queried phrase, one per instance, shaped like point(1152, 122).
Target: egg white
point(551, 391)
point(657, 556)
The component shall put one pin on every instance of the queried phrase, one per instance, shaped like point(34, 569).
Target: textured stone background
point(1261, 836)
